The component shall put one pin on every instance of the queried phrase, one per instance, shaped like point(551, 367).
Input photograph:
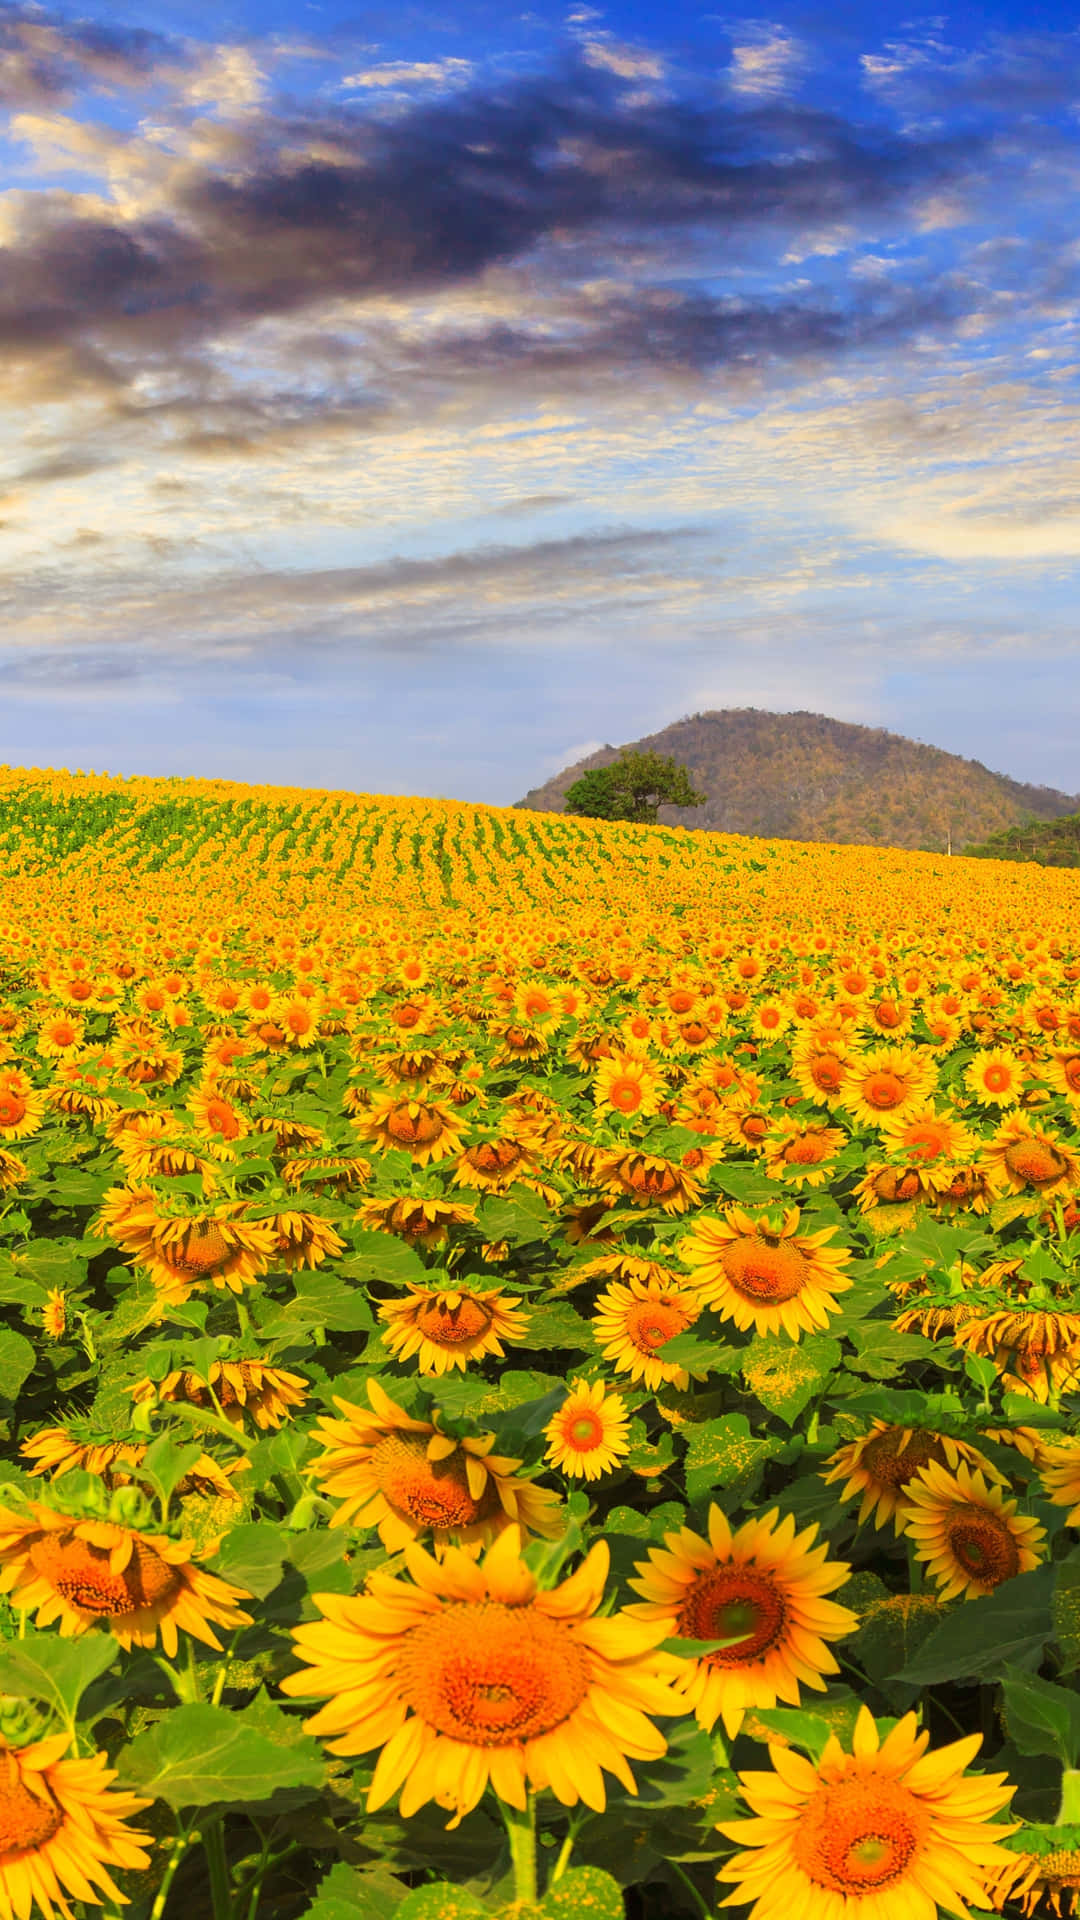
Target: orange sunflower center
point(650, 1322)
point(981, 1543)
point(1035, 1162)
point(807, 1151)
point(897, 1183)
point(584, 1432)
point(997, 1079)
point(413, 1129)
point(433, 1493)
point(626, 1094)
point(1071, 1068)
point(859, 1834)
point(927, 1140)
point(734, 1601)
point(26, 1822)
point(827, 1072)
point(453, 1326)
point(81, 1574)
point(753, 1126)
point(201, 1251)
point(883, 1090)
point(892, 1459)
point(495, 1156)
point(762, 1272)
point(888, 1014)
point(491, 1675)
point(12, 1109)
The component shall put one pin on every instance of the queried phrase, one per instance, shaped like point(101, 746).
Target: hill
point(802, 776)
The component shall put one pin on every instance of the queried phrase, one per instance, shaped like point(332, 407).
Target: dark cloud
point(45, 59)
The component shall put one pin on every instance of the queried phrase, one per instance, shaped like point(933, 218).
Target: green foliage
point(633, 788)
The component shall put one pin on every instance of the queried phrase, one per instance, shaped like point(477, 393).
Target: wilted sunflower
point(885, 1832)
point(765, 1275)
point(470, 1676)
point(1046, 1882)
point(1059, 1471)
point(764, 1582)
point(635, 1319)
point(446, 1327)
point(969, 1536)
point(648, 1180)
point(13, 1171)
point(494, 1164)
point(802, 1153)
point(87, 1572)
point(1036, 1351)
point(335, 1173)
point(588, 1435)
point(77, 1447)
point(61, 1827)
point(424, 1129)
point(183, 1251)
point(881, 1466)
point(234, 1388)
point(422, 1221)
point(406, 1478)
point(301, 1239)
point(1022, 1158)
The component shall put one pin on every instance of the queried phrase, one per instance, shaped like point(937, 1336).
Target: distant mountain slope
point(802, 776)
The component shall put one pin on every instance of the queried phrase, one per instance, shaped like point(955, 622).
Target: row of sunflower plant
point(517, 1401)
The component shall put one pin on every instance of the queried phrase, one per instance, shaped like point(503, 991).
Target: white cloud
point(766, 64)
point(406, 73)
point(629, 63)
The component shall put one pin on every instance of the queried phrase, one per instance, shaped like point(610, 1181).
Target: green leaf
point(519, 1217)
point(252, 1557)
point(1065, 1612)
point(441, 1902)
point(892, 1628)
point(321, 1300)
point(166, 1462)
point(1041, 1717)
point(381, 1256)
point(881, 1351)
point(785, 1376)
point(17, 1358)
point(723, 1453)
point(558, 1325)
point(806, 1730)
point(201, 1756)
point(584, 1893)
point(349, 1894)
point(57, 1672)
point(1009, 1627)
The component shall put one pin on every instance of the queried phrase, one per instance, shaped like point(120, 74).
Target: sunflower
point(1021, 1158)
point(802, 1153)
point(648, 1180)
point(90, 1572)
point(446, 1327)
point(13, 1171)
point(765, 1583)
point(233, 1388)
point(54, 1313)
point(423, 1221)
point(187, 1250)
point(588, 1435)
point(1032, 1878)
point(996, 1077)
point(764, 1275)
point(214, 1118)
point(336, 1173)
point(76, 1447)
point(927, 1136)
point(969, 1536)
point(1059, 1470)
point(886, 1083)
point(819, 1072)
point(406, 1477)
point(22, 1111)
point(471, 1677)
point(301, 1239)
point(882, 1464)
point(493, 1165)
point(59, 1034)
point(633, 1322)
point(628, 1084)
point(887, 1831)
point(422, 1128)
point(62, 1827)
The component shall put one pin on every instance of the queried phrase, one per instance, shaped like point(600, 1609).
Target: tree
point(632, 788)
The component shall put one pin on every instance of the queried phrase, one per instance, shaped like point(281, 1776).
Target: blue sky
point(413, 398)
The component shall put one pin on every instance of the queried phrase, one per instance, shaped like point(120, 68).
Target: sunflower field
point(539, 1367)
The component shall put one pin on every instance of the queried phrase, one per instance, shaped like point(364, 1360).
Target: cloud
point(45, 59)
point(767, 64)
point(406, 73)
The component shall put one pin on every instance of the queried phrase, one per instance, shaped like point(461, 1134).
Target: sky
point(413, 399)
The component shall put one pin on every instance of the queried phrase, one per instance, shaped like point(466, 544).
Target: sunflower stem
point(521, 1832)
point(686, 1881)
point(180, 1846)
point(217, 1866)
point(1068, 1813)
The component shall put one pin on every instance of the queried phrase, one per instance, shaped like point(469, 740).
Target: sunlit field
point(539, 1366)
